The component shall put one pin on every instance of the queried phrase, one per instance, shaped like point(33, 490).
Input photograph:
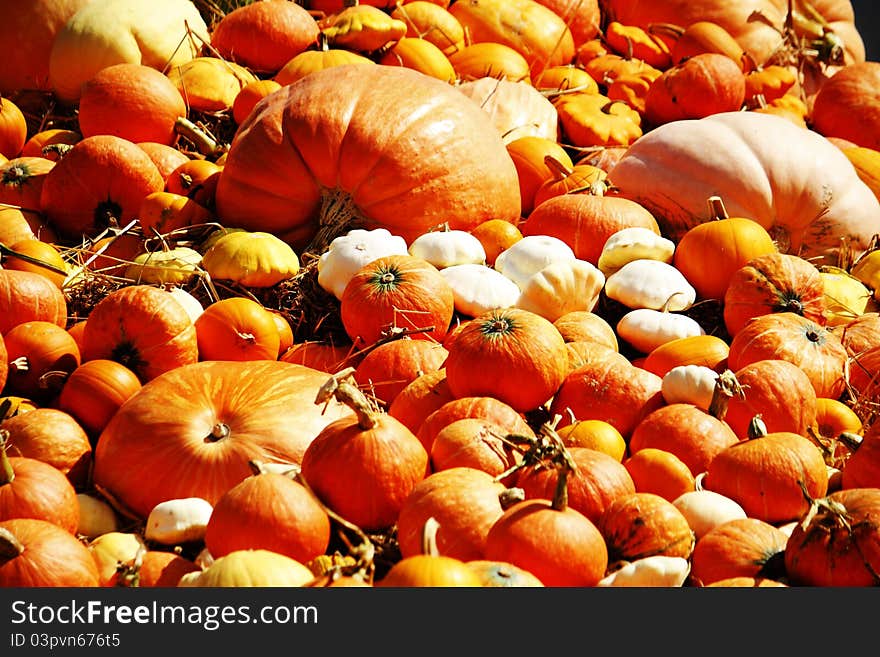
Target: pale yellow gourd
point(658, 570)
point(252, 259)
point(210, 84)
point(171, 267)
point(250, 568)
point(689, 384)
point(846, 297)
point(634, 243)
point(96, 517)
point(705, 509)
point(562, 287)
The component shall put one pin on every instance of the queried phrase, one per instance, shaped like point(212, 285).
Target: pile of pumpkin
point(431, 293)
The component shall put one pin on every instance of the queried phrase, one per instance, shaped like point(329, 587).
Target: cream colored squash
point(646, 329)
point(562, 287)
point(658, 570)
point(798, 185)
point(689, 384)
point(96, 516)
point(444, 248)
point(650, 284)
point(192, 305)
point(706, 509)
point(517, 109)
point(156, 33)
point(178, 521)
point(347, 253)
point(634, 243)
point(250, 568)
point(478, 288)
point(529, 255)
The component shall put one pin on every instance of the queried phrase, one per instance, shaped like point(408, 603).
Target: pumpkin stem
point(757, 428)
point(20, 365)
point(716, 208)
point(726, 387)
point(8, 252)
point(218, 432)
point(204, 143)
point(10, 546)
point(343, 387)
point(510, 496)
point(429, 537)
point(560, 171)
point(338, 215)
point(7, 474)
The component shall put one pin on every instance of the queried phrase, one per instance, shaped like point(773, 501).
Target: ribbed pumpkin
point(641, 525)
point(788, 336)
point(389, 368)
point(396, 292)
point(776, 282)
point(38, 553)
point(742, 547)
point(197, 426)
point(431, 156)
point(27, 296)
point(35, 349)
point(770, 475)
point(95, 390)
point(511, 354)
point(421, 397)
point(237, 328)
point(21, 179)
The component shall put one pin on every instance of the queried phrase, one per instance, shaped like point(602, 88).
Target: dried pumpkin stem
point(7, 474)
point(429, 537)
point(726, 387)
point(338, 215)
point(343, 387)
point(218, 432)
point(10, 546)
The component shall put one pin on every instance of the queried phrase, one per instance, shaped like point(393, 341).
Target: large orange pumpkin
point(380, 146)
point(196, 427)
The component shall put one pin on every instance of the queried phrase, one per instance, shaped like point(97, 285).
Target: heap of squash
point(431, 293)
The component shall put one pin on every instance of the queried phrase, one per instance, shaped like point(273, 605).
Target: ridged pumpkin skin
point(765, 168)
point(773, 283)
point(514, 355)
point(743, 547)
point(52, 557)
point(196, 427)
point(767, 476)
point(27, 296)
point(383, 145)
point(846, 106)
point(641, 525)
point(838, 548)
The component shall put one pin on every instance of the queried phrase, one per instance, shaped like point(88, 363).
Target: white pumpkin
point(347, 253)
point(178, 521)
point(96, 516)
point(653, 284)
point(479, 288)
point(689, 384)
point(562, 287)
point(444, 248)
point(634, 243)
point(192, 305)
point(658, 570)
point(705, 509)
point(516, 108)
point(529, 255)
point(646, 329)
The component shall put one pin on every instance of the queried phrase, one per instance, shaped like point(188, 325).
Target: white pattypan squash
point(347, 253)
point(705, 509)
point(478, 288)
point(689, 384)
point(658, 570)
point(178, 521)
point(634, 243)
point(653, 284)
point(562, 287)
point(529, 255)
point(646, 329)
point(192, 305)
point(444, 248)
point(96, 517)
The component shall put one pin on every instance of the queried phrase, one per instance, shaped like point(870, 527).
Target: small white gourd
point(444, 248)
point(192, 305)
point(646, 329)
point(348, 253)
point(96, 517)
point(689, 384)
point(529, 255)
point(705, 509)
point(479, 288)
point(634, 243)
point(658, 570)
point(179, 520)
point(562, 287)
point(650, 284)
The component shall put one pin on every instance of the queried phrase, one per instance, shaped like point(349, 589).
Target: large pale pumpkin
point(195, 428)
point(156, 33)
point(765, 168)
point(378, 146)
